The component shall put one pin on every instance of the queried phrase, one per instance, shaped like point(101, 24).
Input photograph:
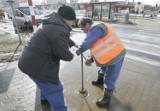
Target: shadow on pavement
point(5, 79)
point(37, 100)
point(116, 105)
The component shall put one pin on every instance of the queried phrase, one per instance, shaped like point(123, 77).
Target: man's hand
point(77, 46)
point(88, 62)
point(78, 52)
point(71, 43)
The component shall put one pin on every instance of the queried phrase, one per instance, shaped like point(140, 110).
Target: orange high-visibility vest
point(107, 47)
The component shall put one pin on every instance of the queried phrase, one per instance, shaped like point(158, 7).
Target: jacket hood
point(55, 19)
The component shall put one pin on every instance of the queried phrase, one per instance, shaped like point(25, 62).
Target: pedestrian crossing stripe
point(155, 63)
point(151, 30)
point(149, 34)
point(140, 43)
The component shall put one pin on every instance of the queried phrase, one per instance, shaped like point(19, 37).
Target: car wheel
point(26, 25)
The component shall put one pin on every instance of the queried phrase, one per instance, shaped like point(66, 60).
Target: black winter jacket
point(48, 45)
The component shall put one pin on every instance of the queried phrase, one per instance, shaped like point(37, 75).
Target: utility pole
point(16, 29)
point(1, 2)
point(30, 3)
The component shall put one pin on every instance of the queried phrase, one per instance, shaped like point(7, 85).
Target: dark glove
point(71, 43)
point(77, 46)
point(78, 52)
point(92, 59)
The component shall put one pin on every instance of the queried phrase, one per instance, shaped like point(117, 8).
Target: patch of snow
point(6, 26)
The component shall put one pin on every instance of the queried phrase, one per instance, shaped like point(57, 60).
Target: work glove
point(71, 43)
point(89, 62)
point(77, 46)
point(78, 52)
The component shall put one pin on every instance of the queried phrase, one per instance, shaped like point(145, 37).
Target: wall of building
point(1, 4)
point(56, 1)
point(22, 1)
point(6, 4)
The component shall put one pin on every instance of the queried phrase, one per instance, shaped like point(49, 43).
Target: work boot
point(45, 105)
point(99, 81)
point(105, 101)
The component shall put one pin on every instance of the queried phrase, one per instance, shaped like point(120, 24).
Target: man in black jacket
point(41, 56)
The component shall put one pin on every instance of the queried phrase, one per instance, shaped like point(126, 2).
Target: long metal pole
point(16, 29)
point(109, 14)
point(30, 3)
point(101, 12)
point(83, 91)
point(15, 23)
point(82, 70)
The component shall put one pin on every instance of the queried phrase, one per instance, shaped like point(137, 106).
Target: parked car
point(23, 17)
point(46, 12)
point(149, 13)
point(79, 15)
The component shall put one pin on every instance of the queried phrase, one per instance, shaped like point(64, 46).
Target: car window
point(36, 11)
point(26, 10)
point(18, 13)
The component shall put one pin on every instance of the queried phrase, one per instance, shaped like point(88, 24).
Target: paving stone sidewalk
point(137, 89)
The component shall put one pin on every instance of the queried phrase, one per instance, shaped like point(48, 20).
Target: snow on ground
point(6, 26)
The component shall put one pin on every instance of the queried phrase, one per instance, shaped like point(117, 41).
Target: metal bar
point(82, 70)
point(82, 90)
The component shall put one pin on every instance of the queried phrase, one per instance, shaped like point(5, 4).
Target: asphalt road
point(142, 41)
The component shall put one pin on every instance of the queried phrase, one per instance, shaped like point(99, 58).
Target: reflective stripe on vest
point(107, 47)
point(105, 42)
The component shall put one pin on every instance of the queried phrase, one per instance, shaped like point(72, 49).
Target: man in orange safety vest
point(107, 51)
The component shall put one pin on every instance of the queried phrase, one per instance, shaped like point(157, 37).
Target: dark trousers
point(53, 93)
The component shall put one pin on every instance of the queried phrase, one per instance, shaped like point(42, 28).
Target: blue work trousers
point(111, 74)
point(53, 93)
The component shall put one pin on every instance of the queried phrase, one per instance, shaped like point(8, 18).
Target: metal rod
point(82, 90)
point(82, 69)
point(15, 28)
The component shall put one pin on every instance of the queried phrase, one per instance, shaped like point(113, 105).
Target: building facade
point(22, 1)
point(56, 1)
point(6, 4)
point(1, 4)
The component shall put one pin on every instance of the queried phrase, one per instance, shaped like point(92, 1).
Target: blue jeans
point(111, 74)
point(53, 93)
